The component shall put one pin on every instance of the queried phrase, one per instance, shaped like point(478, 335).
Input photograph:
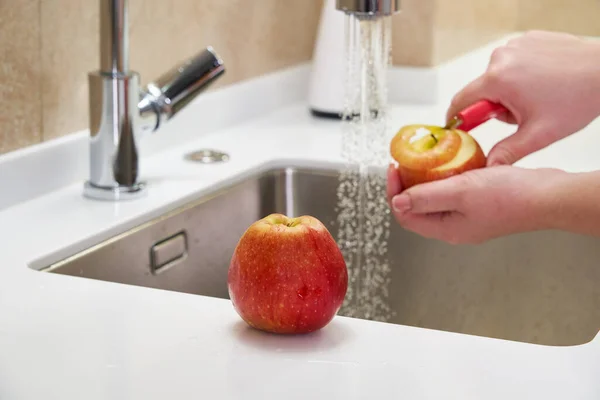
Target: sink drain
point(207, 156)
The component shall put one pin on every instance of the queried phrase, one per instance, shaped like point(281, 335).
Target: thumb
point(526, 140)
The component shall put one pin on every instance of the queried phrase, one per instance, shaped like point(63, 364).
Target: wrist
point(547, 200)
point(572, 204)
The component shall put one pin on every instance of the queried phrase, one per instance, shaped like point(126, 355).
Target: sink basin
point(541, 287)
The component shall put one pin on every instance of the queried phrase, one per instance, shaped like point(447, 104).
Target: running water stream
point(363, 218)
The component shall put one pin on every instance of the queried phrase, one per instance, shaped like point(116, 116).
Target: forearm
point(572, 203)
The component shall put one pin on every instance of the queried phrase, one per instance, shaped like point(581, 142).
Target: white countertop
point(64, 337)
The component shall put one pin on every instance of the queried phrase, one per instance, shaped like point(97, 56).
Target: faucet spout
point(120, 111)
point(172, 91)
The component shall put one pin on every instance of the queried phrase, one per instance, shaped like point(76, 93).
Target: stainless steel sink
point(541, 287)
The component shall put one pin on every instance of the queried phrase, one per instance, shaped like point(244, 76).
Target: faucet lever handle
point(172, 91)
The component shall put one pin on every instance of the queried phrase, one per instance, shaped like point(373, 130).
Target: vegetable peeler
point(475, 115)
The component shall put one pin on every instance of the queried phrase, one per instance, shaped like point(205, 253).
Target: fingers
point(440, 226)
point(393, 183)
point(439, 196)
point(525, 141)
point(479, 89)
point(433, 209)
point(491, 86)
point(473, 92)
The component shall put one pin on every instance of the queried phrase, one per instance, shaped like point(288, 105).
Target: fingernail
point(401, 203)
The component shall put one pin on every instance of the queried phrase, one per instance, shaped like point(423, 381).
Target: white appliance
point(326, 88)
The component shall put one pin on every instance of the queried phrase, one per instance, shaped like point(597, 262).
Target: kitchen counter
point(64, 337)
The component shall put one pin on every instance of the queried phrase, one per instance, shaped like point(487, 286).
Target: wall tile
point(412, 27)
point(20, 110)
point(49, 46)
point(463, 25)
point(69, 51)
point(430, 32)
point(579, 17)
point(252, 38)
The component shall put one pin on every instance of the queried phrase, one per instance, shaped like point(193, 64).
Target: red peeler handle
point(478, 113)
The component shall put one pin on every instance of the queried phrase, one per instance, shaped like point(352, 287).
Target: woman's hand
point(477, 205)
point(550, 83)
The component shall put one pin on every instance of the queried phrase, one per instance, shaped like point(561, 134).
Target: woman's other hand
point(550, 83)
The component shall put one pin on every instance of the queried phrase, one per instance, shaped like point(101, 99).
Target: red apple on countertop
point(428, 153)
point(287, 275)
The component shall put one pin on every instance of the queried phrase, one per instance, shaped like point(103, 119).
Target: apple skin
point(452, 152)
point(287, 275)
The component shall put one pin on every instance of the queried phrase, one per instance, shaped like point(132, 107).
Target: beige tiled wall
point(20, 74)
point(412, 33)
point(48, 46)
point(462, 25)
point(428, 32)
point(574, 16)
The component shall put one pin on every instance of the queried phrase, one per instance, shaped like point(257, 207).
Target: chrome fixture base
point(132, 192)
point(368, 8)
point(114, 125)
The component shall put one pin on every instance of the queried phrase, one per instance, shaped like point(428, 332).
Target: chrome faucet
point(119, 111)
point(368, 8)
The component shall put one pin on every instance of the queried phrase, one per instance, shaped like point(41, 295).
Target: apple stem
point(434, 138)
